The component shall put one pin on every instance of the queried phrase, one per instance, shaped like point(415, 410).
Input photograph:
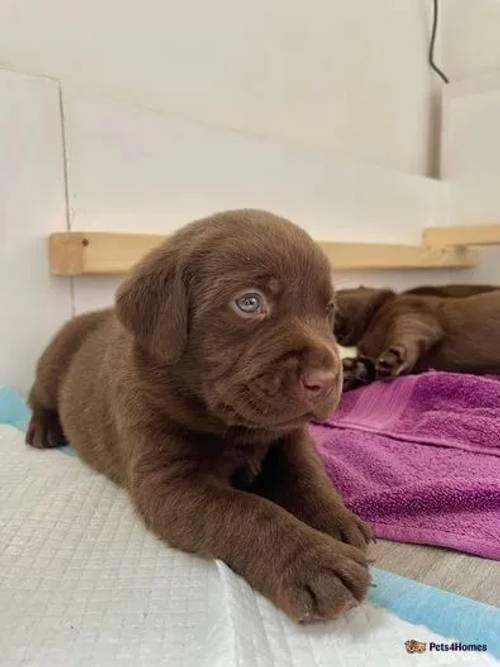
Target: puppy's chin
point(274, 419)
point(235, 416)
point(323, 412)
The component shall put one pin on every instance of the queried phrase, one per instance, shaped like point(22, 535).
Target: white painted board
point(135, 170)
point(470, 160)
point(32, 204)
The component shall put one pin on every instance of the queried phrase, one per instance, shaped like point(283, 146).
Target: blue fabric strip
point(13, 409)
point(445, 613)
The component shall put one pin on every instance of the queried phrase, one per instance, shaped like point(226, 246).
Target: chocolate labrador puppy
point(418, 330)
point(194, 393)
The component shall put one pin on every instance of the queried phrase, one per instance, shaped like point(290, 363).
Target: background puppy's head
point(241, 306)
point(355, 309)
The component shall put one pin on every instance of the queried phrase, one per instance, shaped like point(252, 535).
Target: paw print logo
point(414, 646)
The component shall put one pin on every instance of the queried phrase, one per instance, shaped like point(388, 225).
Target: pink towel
point(419, 459)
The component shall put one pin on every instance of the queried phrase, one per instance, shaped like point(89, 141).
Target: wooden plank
point(360, 256)
point(103, 253)
point(65, 254)
point(461, 235)
point(98, 253)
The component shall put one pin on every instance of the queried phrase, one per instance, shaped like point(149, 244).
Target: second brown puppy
point(194, 393)
point(417, 331)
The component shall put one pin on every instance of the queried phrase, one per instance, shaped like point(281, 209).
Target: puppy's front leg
point(409, 339)
point(294, 477)
point(304, 572)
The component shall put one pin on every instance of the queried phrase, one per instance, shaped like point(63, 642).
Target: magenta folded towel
point(419, 459)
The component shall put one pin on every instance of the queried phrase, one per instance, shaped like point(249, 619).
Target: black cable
point(431, 45)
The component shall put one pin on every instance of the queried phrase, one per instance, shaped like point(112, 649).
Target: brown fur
point(201, 412)
point(411, 332)
point(456, 291)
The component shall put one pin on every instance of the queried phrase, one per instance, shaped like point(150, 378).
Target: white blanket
point(82, 583)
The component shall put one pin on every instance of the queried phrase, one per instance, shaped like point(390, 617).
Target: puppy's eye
point(249, 303)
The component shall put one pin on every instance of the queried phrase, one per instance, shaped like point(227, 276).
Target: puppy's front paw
point(327, 580)
point(345, 526)
point(393, 362)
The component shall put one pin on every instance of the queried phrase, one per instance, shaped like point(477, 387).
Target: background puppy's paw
point(392, 362)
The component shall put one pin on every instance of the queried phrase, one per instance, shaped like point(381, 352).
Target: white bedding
point(82, 583)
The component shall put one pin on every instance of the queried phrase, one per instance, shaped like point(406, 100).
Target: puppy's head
point(355, 309)
point(240, 306)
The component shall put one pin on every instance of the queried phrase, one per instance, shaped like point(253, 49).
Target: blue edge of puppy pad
point(448, 614)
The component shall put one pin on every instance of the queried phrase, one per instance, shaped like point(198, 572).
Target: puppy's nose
point(318, 382)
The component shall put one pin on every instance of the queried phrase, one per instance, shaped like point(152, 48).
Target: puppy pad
point(83, 583)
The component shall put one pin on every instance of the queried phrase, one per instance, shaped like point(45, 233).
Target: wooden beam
point(103, 253)
point(461, 235)
point(357, 256)
point(98, 253)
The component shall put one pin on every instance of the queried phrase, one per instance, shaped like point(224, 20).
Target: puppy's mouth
point(232, 417)
point(276, 403)
point(245, 414)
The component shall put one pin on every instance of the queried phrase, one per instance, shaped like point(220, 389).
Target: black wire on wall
point(432, 43)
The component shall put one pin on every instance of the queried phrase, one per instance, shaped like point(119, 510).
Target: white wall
point(32, 204)
point(131, 169)
point(470, 160)
point(470, 55)
point(471, 148)
point(469, 37)
point(348, 78)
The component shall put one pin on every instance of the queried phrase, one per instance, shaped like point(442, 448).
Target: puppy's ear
point(152, 303)
point(356, 307)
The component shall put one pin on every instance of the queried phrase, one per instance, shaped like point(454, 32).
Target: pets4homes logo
point(415, 646)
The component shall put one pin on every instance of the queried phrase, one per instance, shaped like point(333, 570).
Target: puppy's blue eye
point(249, 303)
